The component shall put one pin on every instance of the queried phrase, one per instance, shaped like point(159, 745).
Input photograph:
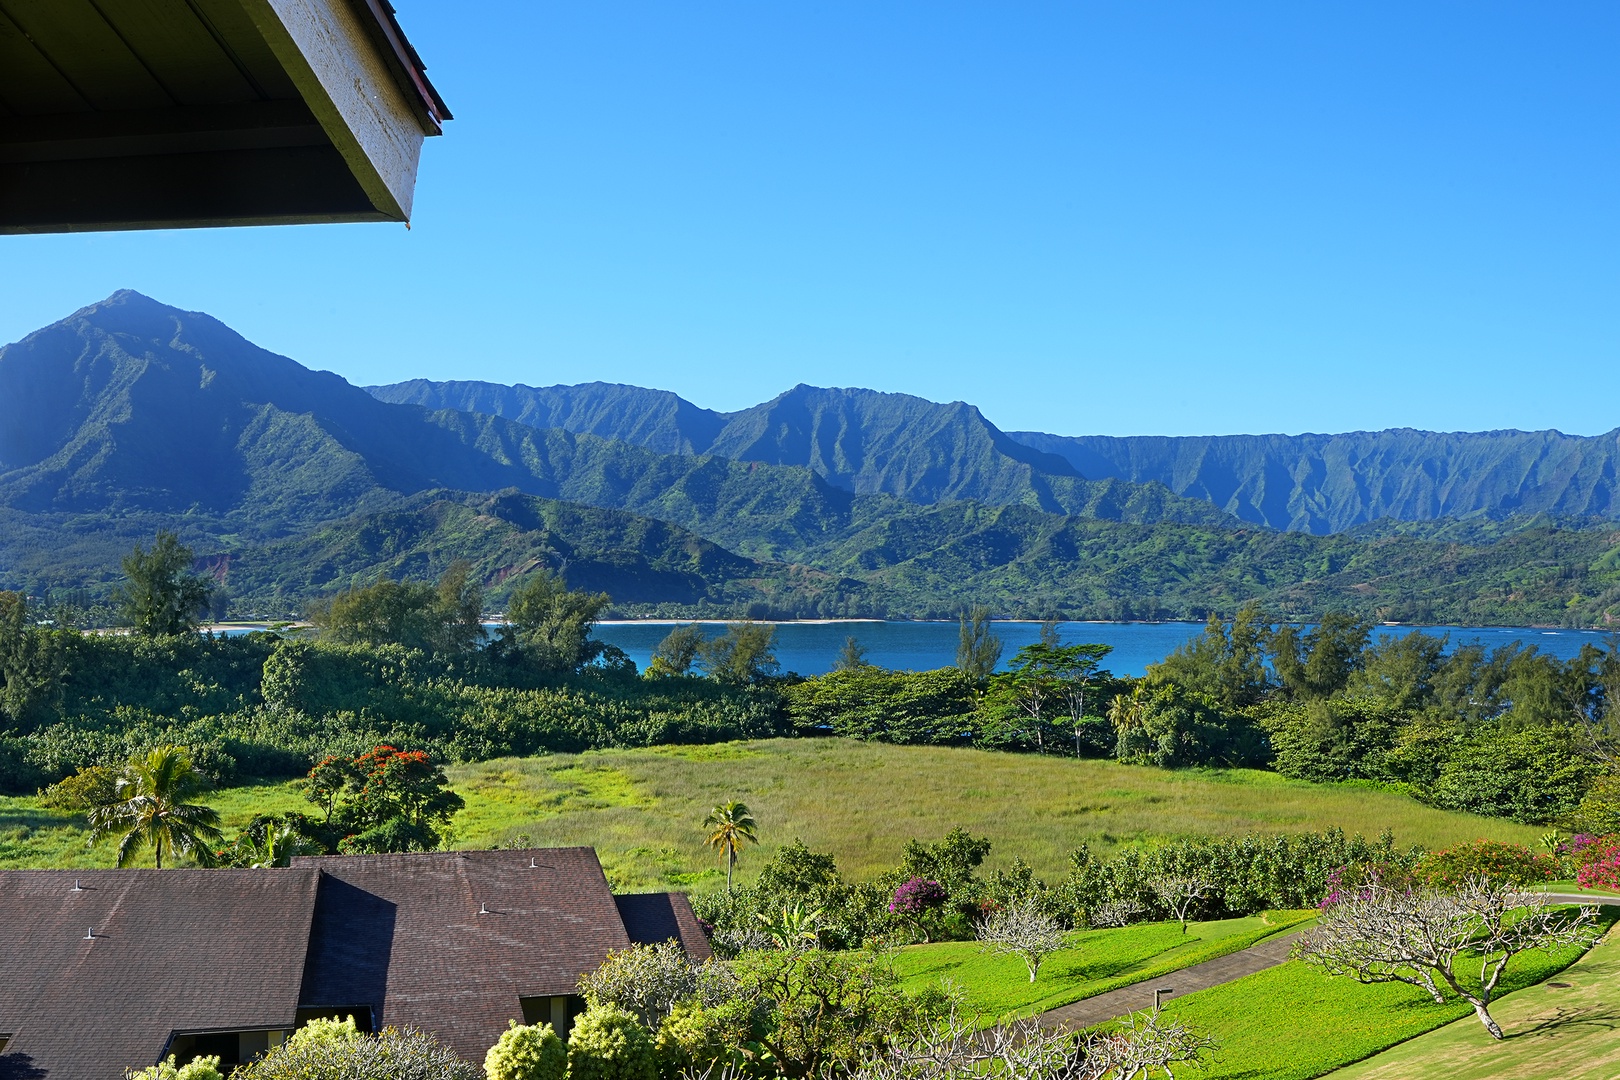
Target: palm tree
point(150, 808)
point(730, 826)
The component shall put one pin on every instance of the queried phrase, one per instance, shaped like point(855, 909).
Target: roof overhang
point(138, 114)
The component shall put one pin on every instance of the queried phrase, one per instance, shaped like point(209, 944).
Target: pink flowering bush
point(917, 896)
point(1508, 864)
point(915, 899)
point(1597, 861)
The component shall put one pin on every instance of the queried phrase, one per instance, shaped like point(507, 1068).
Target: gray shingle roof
point(448, 942)
point(173, 950)
point(449, 969)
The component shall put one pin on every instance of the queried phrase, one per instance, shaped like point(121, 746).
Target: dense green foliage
point(608, 1043)
point(260, 705)
point(1511, 733)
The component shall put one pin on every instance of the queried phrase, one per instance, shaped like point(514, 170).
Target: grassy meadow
point(861, 801)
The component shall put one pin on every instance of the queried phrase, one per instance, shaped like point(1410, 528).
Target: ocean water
point(810, 648)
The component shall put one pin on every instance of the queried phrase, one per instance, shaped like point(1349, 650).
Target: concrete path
point(1581, 898)
point(1139, 996)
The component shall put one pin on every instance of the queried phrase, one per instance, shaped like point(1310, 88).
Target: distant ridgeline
point(130, 416)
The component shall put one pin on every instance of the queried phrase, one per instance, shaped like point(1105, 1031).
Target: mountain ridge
point(1311, 482)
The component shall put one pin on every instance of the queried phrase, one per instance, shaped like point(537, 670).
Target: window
point(558, 1011)
point(233, 1048)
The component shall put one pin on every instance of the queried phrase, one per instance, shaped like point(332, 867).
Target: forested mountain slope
point(1328, 483)
point(858, 440)
point(927, 452)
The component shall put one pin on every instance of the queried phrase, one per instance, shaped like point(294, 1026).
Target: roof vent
point(89, 933)
point(76, 886)
point(483, 909)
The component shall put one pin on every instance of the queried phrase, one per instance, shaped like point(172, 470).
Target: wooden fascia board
point(331, 56)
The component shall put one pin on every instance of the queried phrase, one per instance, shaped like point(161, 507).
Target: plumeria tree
point(1025, 930)
point(1424, 936)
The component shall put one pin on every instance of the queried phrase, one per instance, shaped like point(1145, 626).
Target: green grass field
point(1569, 1031)
point(998, 987)
point(1292, 1022)
point(861, 801)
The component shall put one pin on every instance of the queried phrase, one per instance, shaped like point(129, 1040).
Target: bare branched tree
point(958, 1049)
point(1024, 930)
point(1151, 1044)
point(1420, 935)
point(1111, 913)
point(1181, 892)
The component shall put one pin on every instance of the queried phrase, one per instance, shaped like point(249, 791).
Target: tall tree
point(1318, 663)
point(553, 623)
point(150, 809)
point(852, 656)
point(160, 594)
point(678, 651)
point(31, 663)
point(442, 618)
point(730, 827)
point(978, 649)
point(745, 653)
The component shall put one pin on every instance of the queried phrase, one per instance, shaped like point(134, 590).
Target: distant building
point(178, 113)
point(102, 970)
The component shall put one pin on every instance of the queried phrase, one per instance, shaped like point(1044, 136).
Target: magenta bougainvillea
point(1597, 861)
point(917, 896)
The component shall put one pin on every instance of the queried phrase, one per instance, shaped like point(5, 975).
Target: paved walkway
point(1582, 898)
point(1269, 953)
point(1128, 999)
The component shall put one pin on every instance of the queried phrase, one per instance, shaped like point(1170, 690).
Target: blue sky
point(1115, 218)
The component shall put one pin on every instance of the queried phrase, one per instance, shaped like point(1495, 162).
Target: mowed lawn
point(642, 809)
point(1567, 1027)
point(998, 987)
point(1293, 1022)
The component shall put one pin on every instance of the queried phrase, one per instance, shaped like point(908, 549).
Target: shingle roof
point(448, 942)
point(473, 932)
point(650, 918)
point(173, 950)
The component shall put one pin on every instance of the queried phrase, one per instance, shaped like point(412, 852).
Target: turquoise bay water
point(811, 648)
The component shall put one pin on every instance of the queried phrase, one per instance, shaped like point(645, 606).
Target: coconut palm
point(730, 826)
point(150, 809)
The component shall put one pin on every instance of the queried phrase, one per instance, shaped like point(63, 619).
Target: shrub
point(390, 1055)
point(610, 1044)
point(323, 1031)
point(1599, 812)
point(643, 980)
point(527, 1052)
point(1535, 774)
point(1597, 861)
point(198, 1068)
point(915, 900)
point(693, 1037)
point(1509, 864)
